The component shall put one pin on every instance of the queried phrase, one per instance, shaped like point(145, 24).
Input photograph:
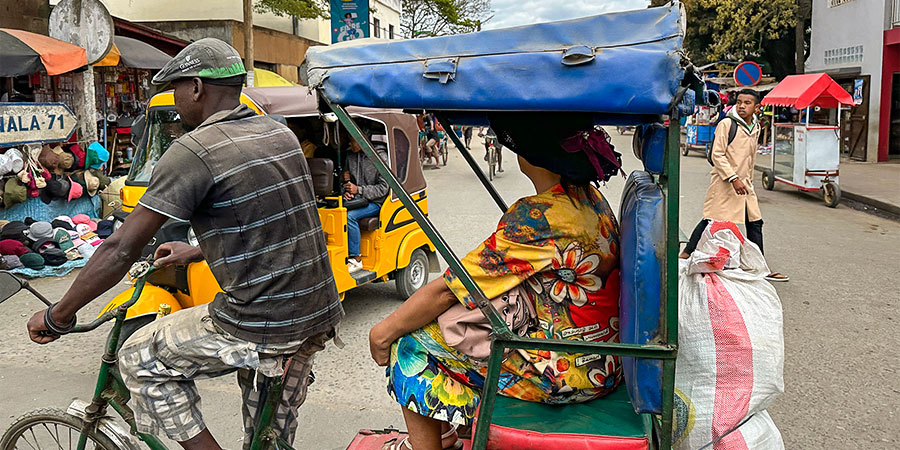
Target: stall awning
point(802, 91)
point(134, 53)
point(24, 53)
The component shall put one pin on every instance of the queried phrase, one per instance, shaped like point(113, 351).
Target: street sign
point(28, 123)
point(747, 73)
point(85, 23)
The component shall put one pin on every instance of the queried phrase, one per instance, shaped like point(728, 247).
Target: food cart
point(700, 129)
point(806, 155)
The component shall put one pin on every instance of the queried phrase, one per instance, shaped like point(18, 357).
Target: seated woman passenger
point(561, 245)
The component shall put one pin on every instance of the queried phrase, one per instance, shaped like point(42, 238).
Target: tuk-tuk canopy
point(621, 63)
point(802, 91)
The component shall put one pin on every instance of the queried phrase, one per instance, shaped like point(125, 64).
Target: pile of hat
point(52, 172)
point(36, 244)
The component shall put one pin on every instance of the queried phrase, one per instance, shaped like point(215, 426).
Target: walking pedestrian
point(730, 196)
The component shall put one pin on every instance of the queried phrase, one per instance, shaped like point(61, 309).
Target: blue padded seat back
point(642, 217)
point(649, 145)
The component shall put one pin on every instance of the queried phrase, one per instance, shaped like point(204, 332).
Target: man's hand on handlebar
point(37, 329)
point(178, 253)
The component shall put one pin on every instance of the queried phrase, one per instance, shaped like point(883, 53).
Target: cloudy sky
point(510, 13)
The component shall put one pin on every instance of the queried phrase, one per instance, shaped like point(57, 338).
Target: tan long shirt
point(737, 158)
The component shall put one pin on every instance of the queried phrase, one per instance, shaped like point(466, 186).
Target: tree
point(762, 30)
point(302, 9)
point(440, 17)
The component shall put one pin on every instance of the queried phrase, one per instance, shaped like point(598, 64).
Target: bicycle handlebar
point(121, 309)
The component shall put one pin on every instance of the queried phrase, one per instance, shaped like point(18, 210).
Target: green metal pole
point(488, 396)
point(474, 165)
point(264, 425)
point(671, 189)
point(497, 323)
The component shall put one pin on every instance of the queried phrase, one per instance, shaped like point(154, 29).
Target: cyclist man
point(243, 183)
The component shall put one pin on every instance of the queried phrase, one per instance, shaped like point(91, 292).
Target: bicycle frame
point(110, 390)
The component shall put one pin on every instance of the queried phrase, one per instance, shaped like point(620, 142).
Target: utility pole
point(804, 11)
point(248, 40)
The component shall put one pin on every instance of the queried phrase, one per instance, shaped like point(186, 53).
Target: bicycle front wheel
point(52, 429)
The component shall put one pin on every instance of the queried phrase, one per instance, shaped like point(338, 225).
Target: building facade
point(855, 42)
point(280, 42)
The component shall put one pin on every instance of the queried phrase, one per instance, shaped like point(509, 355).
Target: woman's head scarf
point(568, 144)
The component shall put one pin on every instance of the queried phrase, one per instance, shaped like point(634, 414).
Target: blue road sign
point(747, 73)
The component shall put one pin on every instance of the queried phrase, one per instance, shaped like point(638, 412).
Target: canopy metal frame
point(658, 427)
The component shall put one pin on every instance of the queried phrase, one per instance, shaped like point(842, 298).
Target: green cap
point(32, 261)
point(208, 58)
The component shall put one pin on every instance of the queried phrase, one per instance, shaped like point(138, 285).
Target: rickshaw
point(567, 67)
point(461, 83)
point(393, 246)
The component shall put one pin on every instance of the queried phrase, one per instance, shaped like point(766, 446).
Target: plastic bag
point(730, 346)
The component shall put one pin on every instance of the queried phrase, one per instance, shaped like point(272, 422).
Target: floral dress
point(564, 248)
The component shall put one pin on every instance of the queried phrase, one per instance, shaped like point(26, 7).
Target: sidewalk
point(874, 184)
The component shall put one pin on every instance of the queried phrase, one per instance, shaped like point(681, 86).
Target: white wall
point(842, 30)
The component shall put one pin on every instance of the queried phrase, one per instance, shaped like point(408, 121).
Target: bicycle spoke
point(35, 439)
point(23, 438)
point(51, 434)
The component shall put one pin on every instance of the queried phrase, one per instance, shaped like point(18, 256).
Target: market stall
point(123, 88)
point(806, 155)
point(47, 177)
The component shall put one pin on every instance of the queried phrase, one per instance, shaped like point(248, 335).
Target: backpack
point(732, 132)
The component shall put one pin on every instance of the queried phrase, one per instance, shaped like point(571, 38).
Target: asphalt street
point(842, 387)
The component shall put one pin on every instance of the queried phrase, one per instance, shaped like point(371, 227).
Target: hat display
point(61, 224)
point(91, 182)
point(14, 230)
point(44, 244)
point(56, 189)
point(46, 158)
point(208, 58)
point(54, 257)
point(86, 250)
point(32, 261)
point(97, 156)
point(82, 229)
point(105, 228)
point(11, 161)
point(12, 262)
point(39, 230)
point(66, 219)
point(79, 155)
point(80, 218)
point(62, 237)
point(72, 254)
point(12, 247)
point(75, 190)
point(14, 193)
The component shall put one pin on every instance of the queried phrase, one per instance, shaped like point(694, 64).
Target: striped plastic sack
point(730, 346)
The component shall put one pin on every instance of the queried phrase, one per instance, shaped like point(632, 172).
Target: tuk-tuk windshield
point(164, 126)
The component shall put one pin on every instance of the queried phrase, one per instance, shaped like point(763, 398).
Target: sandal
point(403, 444)
point(777, 276)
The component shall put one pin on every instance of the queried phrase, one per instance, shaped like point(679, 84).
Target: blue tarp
point(621, 63)
point(38, 210)
point(51, 271)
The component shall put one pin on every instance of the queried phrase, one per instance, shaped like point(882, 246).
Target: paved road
point(841, 314)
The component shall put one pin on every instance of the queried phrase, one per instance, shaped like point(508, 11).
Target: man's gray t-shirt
point(242, 181)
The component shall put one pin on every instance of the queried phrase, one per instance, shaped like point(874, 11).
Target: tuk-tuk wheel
point(414, 275)
point(768, 180)
point(832, 194)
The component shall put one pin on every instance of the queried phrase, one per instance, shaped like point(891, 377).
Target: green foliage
point(760, 30)
point(302, 9)
point(422, 18)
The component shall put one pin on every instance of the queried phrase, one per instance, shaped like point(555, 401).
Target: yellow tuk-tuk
point(393, 246)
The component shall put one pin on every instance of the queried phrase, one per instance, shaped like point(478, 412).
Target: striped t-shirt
point(242, 181)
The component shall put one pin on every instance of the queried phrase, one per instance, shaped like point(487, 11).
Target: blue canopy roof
point(621, 63)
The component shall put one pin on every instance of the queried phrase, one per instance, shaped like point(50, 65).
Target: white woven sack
point(730, 346)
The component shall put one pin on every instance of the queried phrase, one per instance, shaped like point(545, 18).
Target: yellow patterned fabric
point(563, 246)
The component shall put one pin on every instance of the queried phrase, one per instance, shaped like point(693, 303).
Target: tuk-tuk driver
point(242, 182)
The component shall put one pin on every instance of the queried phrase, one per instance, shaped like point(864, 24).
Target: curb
point(875, 203)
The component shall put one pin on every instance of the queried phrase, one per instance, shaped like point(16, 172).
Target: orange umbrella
point(25, 53)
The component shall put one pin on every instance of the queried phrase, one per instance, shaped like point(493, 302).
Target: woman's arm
point(421, 309)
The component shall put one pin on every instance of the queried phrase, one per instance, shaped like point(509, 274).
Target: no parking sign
point(747, 73)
